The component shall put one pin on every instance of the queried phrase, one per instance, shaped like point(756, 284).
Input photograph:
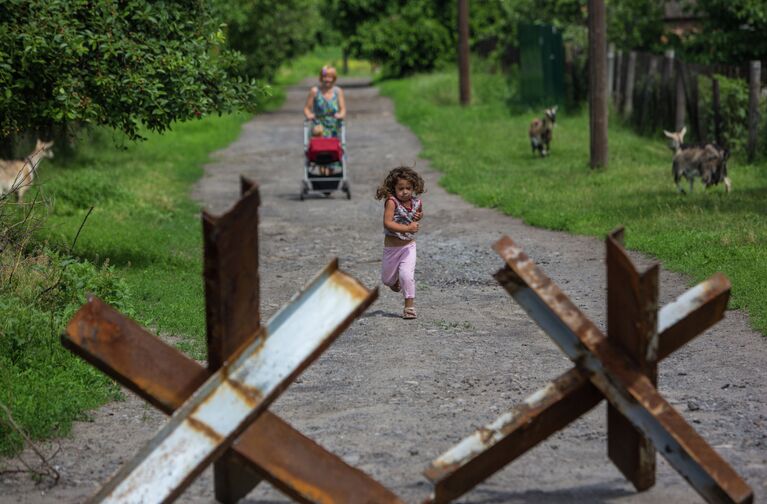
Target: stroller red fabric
point(324, 150)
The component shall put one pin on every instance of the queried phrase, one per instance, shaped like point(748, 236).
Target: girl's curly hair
point(386, 189)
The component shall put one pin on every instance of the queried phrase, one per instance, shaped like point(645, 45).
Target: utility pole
point(597, 83)
point(463, 52)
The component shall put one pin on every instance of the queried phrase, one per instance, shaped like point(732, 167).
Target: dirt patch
point(391, 395)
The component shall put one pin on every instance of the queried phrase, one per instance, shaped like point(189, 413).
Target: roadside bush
point(733, 100)
point(403, 44)
point(44, 386)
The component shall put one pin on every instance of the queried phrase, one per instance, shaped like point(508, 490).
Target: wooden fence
point(660, 91)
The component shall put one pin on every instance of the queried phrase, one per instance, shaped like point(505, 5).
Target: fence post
point(619, 64)
point(628, 95)
point(681, 104)
point(610, 68)
point(647, 113)
point(717, 111)
point(754, 81)
point(597, 83)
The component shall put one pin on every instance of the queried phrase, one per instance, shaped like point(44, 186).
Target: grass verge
point(485, 156)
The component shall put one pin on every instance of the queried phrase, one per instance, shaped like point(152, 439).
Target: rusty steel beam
point(224, 406)
point(486, 451)
point(620, 380)
point(565, 399)
point(166, 378)
point(632, 311)
point(230, 245)
point(692, 313)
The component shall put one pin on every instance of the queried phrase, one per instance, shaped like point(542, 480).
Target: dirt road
point(390, 395)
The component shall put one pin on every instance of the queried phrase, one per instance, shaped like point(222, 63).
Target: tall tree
point(731, 31)
point(270, 32)
point(115, 63)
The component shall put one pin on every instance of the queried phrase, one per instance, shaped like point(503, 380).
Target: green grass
point(485, 155)
point(140, 249)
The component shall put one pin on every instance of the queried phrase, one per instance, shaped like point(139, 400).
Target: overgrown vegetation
point(485, 155)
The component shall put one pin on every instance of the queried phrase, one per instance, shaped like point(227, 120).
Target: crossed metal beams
point(621, 368)
point(262, 445)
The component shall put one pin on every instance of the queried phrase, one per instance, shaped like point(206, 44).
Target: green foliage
point(732, 31)
point(269, 33)
point(636, 24)
point(733, 101)
point(484, 155)
point(120, 64)
point(45, 386)
point(403, 43)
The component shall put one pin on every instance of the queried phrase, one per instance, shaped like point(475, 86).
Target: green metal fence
point(542, 64)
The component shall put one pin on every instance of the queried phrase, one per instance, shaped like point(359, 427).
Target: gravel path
point(391, 395)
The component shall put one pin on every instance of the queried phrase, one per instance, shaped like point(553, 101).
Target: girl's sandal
point(395, 287)
point(409, 313)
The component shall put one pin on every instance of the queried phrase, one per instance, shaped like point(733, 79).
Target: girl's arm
point(388, 221)
point(310, 104)
point(341, 105)
point(419, 214)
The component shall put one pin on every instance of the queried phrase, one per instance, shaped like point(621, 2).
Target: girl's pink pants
point(399, 264)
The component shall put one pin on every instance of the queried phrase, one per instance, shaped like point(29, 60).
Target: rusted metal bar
point(466, 465)
point(692, 313)
point(223, 407)
point(632, 310)
point(489, 449)
point(232, 309)
point(620, 381)
point(165, 377)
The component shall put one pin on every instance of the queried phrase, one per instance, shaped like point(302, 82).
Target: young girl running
point(402, 211)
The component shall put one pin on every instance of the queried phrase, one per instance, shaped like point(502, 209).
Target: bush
point(403, 44)
point(45, 386)
point(733, 100)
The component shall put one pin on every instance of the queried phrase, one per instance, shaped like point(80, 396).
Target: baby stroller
point(322, 156)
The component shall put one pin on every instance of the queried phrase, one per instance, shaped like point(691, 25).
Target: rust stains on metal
point(204, 429)
point(251, 396)
point(489, 449)
point(296, 335)
point(293, 463)
point(622, 382)
point(350, 285)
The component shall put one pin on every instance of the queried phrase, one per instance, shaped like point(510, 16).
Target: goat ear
point(683, 131)
point(668, 134)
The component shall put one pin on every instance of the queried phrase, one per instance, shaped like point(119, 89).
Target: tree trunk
point(597, 83)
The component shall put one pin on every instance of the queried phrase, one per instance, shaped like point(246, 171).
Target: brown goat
point(541, 130)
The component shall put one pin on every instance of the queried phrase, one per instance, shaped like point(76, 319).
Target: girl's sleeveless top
point(324, 109)
point(403, 216)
